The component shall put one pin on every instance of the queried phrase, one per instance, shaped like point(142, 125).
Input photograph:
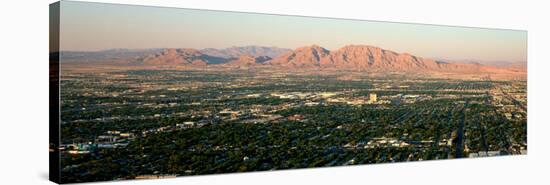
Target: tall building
point(372, 97)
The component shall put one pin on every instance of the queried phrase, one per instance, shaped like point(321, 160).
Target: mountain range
point(210, 55)
point(366, 57)
point(350, 57)
point(236, 52)
point(347, 58)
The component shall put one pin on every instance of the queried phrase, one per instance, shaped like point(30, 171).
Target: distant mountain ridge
point(247, 60)
point(246, 56)
point(347, 58)
point(351, 57)
point(212, 55)
point(184, 56)
point(365, 57)
point(105, 55)
point(236, 52)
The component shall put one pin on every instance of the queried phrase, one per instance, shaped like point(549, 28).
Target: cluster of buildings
point(303, 95)
point(110, 140)
point(485, 154)
point(171, 128)
point(313, 99)
point(359, 100)
point(385, 142)
point(116, 139)
point(510, 100)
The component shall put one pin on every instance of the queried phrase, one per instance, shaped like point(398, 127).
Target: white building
point(372, 97)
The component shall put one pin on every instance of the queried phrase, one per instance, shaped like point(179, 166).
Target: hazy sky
point(96, 26)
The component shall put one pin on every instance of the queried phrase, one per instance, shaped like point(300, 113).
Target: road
point(460, 133)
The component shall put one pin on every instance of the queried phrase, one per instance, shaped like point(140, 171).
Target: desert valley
point(160, 113)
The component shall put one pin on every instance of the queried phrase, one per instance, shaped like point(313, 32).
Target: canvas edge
point(54, 134)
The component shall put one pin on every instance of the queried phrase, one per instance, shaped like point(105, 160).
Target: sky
point(97, 26)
